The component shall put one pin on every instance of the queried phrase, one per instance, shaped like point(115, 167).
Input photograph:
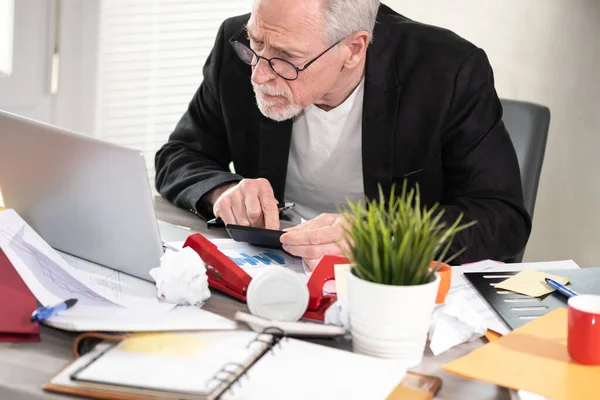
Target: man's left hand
point(316, 238)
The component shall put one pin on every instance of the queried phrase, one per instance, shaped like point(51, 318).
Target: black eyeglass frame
point(269, 60)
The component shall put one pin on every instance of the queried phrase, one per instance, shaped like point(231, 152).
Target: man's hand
point(249, 203)
point(316, 238)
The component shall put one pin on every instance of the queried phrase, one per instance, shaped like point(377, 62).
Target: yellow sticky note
point(531, 283)
point(164, 344)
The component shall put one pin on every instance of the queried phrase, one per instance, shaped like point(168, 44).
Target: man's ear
point(356, 48)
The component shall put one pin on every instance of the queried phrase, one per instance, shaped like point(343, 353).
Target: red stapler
point(226, 276)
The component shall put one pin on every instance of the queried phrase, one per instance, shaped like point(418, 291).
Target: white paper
point(40, 266)
point(255, 260)
point(52, 279)
point(337, 314)
point(108, 300)
point(122, 289)
point(453, 323)
point(300, 370)
point(184, 318)
point(525, 395)
point(181, 278)
point(461, 287)
point(193, 372)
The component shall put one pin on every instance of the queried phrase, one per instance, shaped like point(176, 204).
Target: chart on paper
point(106, 278)
point(254, 260)
point(123, 289)
point(52, 283)
point(266, 258)
point(52, 279)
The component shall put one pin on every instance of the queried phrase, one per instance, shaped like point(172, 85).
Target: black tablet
point(256, 236)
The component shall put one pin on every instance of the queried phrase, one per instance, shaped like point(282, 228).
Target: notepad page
point(305, 371)
point(172, 362)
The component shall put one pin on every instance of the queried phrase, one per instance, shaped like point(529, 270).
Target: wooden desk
point(24, 367)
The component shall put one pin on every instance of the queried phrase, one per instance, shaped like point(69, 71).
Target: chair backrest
point(528, 125)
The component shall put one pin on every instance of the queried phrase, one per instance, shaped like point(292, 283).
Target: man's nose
point(262, 72)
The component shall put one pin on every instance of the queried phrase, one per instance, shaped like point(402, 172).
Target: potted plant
point(395, 248)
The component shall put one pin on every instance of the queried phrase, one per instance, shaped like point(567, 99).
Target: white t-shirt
point(325, 162)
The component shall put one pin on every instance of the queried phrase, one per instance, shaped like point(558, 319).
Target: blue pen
point(561, 288)
point(43, 313)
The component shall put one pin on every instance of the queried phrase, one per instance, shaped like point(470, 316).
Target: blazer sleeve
point(196, 157)
point(481, 171)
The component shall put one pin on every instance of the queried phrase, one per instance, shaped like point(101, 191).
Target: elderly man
point(319, 101)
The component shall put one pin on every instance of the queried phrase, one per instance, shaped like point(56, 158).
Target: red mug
point(583, 340)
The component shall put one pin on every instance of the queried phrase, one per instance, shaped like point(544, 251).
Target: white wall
point(545, 51)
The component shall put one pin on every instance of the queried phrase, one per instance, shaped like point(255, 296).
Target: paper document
point(462, 288)
point(531, 283)
point(108, 300)
point(120, 288)
point(255, 260)
point(52, 279)
point(181, 318)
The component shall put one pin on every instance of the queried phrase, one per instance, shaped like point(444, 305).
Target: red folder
point(226, 276)
point(16, 305)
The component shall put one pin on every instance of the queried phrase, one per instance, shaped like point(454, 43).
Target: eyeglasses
point(281, 67)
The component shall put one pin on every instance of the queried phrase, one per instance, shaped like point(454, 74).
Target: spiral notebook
point(231, 365)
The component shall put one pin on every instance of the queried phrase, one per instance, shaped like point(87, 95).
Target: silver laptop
point(84, 196)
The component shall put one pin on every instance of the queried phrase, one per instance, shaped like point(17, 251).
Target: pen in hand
point(562, 289)
point(218, 222)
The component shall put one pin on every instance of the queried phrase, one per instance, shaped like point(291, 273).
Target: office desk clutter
point(455, 310)
point(531, 283)
point(181, 278)
point(397, 249)
point(533, 357)
point(227, 365)
point(275, 285)
point(107, 299)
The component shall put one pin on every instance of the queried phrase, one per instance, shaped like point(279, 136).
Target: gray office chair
point(528, 124)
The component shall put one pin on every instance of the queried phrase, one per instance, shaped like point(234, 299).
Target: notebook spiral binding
point(231, 373)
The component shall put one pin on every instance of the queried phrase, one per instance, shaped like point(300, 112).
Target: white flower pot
point(391, 321)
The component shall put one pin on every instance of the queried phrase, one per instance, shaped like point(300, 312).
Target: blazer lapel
point(274, 151)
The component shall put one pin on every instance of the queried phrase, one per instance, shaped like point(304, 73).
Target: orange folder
point(533, 357)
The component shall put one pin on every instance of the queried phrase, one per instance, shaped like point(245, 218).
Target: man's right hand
point(249, 203)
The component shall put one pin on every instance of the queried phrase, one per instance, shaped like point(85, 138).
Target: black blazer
point(431, 115)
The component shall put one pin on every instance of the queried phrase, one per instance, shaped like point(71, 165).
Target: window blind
point(6, 36)
point(150, 60)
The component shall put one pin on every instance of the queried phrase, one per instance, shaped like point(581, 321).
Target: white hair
point(345, 17)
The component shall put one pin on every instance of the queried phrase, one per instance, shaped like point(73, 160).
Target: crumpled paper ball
point(337, 314)
point(181, 278)
point(453, 323)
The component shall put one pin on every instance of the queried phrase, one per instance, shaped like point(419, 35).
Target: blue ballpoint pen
point(43, 313)
point(561, 288)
